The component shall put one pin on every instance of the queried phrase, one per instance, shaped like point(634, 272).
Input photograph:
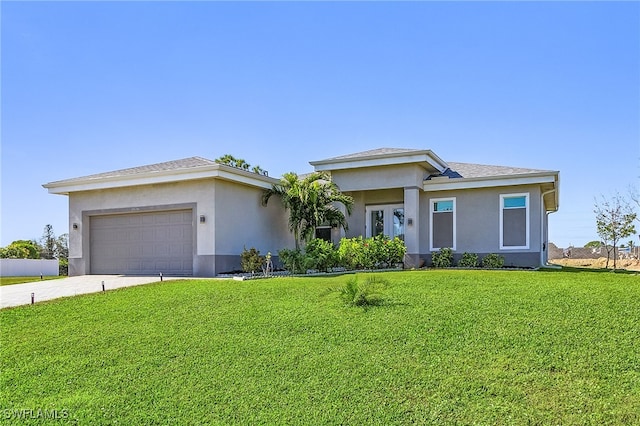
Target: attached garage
point(146, 243)
point(188, 217)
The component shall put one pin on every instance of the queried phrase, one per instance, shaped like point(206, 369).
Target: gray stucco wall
point(378, 178)
point(242, 221)
point(477, 221)
point(233, 215)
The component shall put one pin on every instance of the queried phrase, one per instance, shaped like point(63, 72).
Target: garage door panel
point(176, 233)
point(142, 243)
point(147, 250)
point(130, 222)
point(162, 234)
point(148, 264)
point(176, 250)
point(162, 219)
point(134, 266)
point(181, 217)
point(175, 264)
point(147, 235)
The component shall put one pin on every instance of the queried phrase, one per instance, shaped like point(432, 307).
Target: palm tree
point(227, 159)
point(232, 161)
point(241, 164)
point(311, 202)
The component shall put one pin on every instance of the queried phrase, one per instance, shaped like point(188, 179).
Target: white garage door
point(142, 243)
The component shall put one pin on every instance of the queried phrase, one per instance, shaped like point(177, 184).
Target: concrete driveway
point(20, 294)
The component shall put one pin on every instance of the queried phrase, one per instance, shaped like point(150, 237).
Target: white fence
point(28, 267)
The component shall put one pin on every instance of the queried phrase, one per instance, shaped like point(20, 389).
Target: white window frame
point(432, 201)
point(527, 219)
point(387, 214)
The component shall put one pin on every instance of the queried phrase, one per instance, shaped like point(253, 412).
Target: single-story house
point(195, 216)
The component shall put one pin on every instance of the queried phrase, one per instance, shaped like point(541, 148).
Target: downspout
point(544, 262)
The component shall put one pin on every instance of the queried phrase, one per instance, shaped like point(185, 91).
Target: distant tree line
point(49, 246)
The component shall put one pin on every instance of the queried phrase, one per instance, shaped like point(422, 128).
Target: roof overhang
point(213, 171)
point(426, 158)
point(548, 182)
point(551, 195)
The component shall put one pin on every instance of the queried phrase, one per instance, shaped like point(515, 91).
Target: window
point(514, 221)
point(442, 226)
point(324, 233)
point(386, 220)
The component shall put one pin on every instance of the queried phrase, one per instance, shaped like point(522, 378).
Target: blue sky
point(89, 87)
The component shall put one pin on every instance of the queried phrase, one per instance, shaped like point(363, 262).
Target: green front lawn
point(22, 280)
point(449, 347)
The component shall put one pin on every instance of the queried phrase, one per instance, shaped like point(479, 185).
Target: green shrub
point(469, 260)
point(346, 253)
point(292, 260)
point(353, 253)
point(250, 260)
point(369, 293)
point(390, 251)
point(493, 261)
point(371, 253)
point(442, 258)
point(320, 255)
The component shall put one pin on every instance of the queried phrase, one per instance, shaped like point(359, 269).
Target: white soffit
point(488, 182)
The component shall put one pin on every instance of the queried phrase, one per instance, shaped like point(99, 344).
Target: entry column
point(412, 226)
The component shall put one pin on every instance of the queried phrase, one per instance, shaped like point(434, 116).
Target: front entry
point(385, 219)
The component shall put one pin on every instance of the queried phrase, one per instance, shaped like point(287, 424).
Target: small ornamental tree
point(634, 194)
point(251, 261)
point(614, 221)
